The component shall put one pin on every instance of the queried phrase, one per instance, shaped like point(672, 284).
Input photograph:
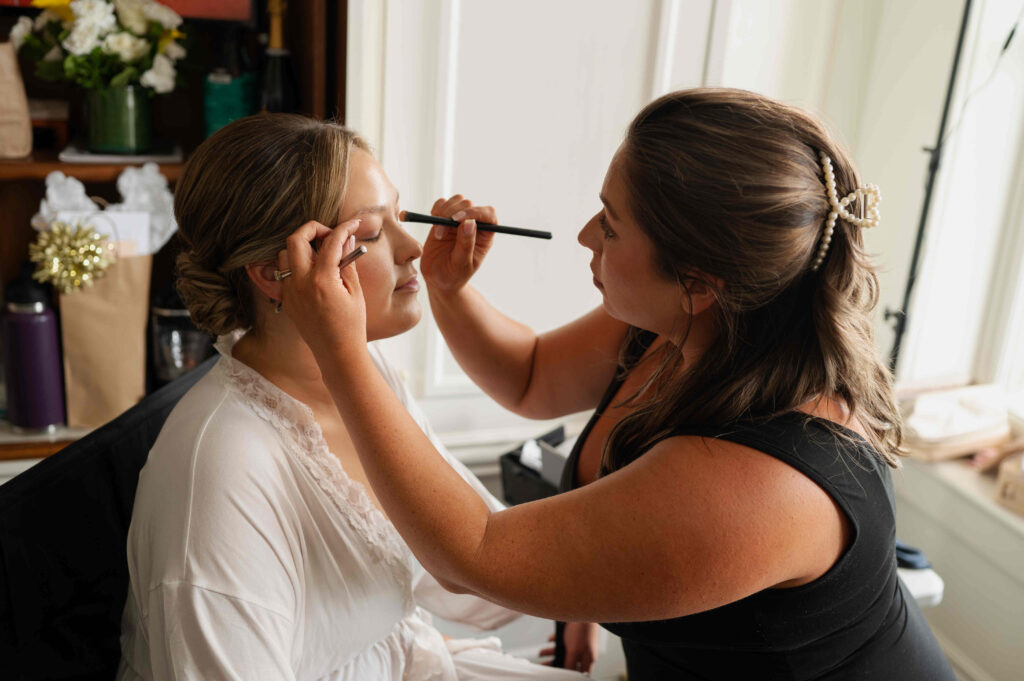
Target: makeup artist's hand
point(324, 302)
point(451, 256)
point(582, 642)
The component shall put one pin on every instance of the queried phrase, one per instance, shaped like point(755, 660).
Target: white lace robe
point(253, 556)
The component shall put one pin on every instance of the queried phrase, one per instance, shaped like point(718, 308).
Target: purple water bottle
point(31, 354)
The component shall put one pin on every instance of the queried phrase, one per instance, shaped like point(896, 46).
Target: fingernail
point(438, 232)
point(468, 227)
point(458, 216)
point(351, 241)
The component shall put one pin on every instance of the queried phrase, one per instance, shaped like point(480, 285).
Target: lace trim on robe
point(296, 422)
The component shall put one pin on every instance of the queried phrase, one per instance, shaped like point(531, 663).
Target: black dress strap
point(637, 347)
point(821, 449)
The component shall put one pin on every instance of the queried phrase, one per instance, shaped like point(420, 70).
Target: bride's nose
point(407, 248)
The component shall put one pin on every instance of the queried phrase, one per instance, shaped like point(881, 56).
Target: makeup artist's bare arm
point(657, 539)
point(538, 376)
point(559, 372)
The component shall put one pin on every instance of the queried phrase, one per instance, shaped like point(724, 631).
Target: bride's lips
point(411, 285)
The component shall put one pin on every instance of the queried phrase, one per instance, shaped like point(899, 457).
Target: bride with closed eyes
point(257, 550)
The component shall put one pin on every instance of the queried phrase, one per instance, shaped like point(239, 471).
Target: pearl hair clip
point(868, 194)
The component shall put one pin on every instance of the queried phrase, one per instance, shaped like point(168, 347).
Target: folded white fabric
point(958, 413)
point(951, 423)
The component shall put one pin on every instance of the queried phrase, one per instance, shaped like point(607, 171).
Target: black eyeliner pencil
point(408, 216)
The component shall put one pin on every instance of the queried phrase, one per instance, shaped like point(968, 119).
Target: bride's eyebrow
point(379, 209)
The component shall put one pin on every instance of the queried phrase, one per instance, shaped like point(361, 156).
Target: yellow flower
point(61, 8)
point(168, 35)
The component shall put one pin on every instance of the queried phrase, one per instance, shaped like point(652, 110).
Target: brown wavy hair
point(729, 183)
point(242, 193)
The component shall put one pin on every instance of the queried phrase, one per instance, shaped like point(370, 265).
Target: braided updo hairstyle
point(730, 184)
point(242, 193)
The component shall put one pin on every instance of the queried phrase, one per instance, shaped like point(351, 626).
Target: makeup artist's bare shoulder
point(834, 409)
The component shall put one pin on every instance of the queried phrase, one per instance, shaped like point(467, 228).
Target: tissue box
point(521, 484)
point(552, 463)
point(1010, 484)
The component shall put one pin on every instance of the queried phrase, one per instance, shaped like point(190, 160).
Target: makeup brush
point(352, 257)
point(346, 260)
point(408, 216)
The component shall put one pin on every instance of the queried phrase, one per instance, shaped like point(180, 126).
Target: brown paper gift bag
point(103, 328)
point(15, 125)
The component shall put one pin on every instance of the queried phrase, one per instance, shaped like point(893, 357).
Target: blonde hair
point(729, 184)
point(242, 193)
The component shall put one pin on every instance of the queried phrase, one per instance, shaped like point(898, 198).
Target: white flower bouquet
point(97, 44)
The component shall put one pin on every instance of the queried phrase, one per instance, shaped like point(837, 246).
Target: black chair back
point(63, 529)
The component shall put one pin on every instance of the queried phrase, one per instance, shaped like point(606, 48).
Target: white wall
point(519, 105)
point(794, 68)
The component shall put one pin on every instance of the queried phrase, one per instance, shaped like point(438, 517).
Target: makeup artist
point(729, 516)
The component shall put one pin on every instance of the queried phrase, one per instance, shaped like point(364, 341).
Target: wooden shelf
point(15, 446)
point(38, 165)
point(14, 451)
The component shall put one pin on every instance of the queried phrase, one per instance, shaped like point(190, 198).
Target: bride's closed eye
point(370, 231)
point(370, 238)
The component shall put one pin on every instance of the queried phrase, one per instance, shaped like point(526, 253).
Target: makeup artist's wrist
point(448, 298)
point(346, 365)
point(441, 289)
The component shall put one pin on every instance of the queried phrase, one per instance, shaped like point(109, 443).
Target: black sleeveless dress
point(857, 621)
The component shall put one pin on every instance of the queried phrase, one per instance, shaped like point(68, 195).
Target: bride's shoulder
point(214, 426)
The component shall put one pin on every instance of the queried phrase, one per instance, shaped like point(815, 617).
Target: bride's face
point(386, 272)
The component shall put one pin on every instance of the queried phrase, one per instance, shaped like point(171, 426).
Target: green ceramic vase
point(120, 120)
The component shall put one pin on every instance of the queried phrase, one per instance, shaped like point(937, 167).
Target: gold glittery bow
point(70, 256)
